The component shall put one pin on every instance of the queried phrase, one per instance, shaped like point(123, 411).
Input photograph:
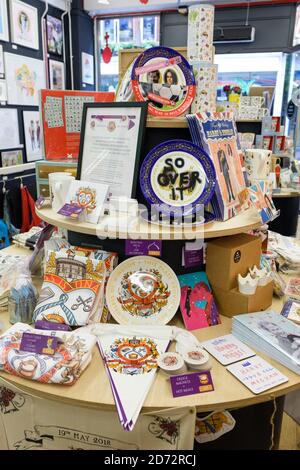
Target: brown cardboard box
point(229, 256)
point(232, 302)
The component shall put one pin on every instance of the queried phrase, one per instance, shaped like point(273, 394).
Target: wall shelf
point(180, 122)
point(113, 228)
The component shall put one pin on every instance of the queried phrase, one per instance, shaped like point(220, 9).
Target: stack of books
point(271, 334)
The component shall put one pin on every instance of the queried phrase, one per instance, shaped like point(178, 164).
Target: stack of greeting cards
point(73, 289)
point(271, 334)
point(216, 133)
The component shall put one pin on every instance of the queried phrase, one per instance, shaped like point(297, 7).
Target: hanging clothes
point(29, 217)
point(12, 230)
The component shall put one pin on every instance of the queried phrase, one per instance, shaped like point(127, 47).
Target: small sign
point(38, 344)
point(193, 258)
point(48, 325)
point(190, 384)
point(290, 112)
point(143, 247)
point(40, 202)
point(227, 349)
point(71, 210)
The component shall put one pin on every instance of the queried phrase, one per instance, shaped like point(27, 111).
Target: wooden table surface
point(93, 388)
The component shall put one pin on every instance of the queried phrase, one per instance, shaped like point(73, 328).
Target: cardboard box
point(232, 302)
point(229, 256)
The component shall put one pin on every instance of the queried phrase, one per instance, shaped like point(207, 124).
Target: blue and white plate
point(178, 177)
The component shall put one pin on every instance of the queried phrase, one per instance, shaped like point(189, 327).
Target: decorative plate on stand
point(143, 290)
point(164, 78)
point(124, 91)
point(177, 177)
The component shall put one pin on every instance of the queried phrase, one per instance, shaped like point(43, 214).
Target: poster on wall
point(87, 68)
point(54, 35)
point(62, 115)
point(24, 24)
point(57, 75)
point(25, 77)
point(9, 129)
point(33, 135)
point(4, 34)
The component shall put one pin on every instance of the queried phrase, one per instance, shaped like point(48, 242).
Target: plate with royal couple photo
point(143, 290)
point(164, 78)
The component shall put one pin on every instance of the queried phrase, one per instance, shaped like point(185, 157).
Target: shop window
point(123, 33)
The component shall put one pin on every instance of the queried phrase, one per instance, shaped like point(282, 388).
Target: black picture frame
point(143, 106)
point(55, 52)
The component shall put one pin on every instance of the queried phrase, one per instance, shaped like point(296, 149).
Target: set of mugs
point(59, 184)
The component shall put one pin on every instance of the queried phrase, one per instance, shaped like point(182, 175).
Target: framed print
point(2, 70)
point(4, 34)
point(87, 68)
point(33, 135)
point(57, 75)
point(24, 24)
point(9, 129)
point(3, 90)
point(111, 140)
point(12, 157)
point(54, 35)
point(24, 77)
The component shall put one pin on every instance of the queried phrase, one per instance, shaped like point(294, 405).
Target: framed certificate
point(110, 145)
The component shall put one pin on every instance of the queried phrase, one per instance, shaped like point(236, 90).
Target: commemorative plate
point(124, 91)
point(177, 177)
point(143, 290)
point(165, 79)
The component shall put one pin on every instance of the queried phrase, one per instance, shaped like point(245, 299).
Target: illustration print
point(132, 356)
point(10, 401)
point(165, 428)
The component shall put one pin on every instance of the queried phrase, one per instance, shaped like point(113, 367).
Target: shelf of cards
point(112, 227)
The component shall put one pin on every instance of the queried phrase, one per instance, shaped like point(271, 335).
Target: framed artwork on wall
point(12, 157)
point(110, 145)
point(87, 68)
point(3, 90)
point(2, 70)
point(4, 34)
point(54, 35)
point(33, 135)
point(24, 24)
point(57, 75)
point(24, 77)
point(9, 129)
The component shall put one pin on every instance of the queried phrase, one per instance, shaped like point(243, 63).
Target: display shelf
point(108, 227)
point(180, 122)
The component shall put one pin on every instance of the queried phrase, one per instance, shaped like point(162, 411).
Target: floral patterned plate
point(143, 290)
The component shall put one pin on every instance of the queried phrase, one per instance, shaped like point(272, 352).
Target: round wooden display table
point(109, 227)
point(93, 388)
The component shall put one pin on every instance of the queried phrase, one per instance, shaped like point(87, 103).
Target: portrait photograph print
point(110, 145)
point(54, 35)
point(33, 135)
point(24, 24)
point(4, 34)
point(57, 75)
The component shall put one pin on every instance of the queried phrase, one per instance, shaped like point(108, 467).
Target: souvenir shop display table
point(93, 389)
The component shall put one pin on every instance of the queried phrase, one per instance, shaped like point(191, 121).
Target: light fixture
point(104, 2)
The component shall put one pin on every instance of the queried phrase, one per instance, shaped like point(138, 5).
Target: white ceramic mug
point(59, 184)
point(258, 163)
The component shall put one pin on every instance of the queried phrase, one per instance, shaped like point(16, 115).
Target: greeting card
point(90, 196)
point(197, 304)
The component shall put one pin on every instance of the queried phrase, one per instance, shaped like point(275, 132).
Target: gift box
point(206, 88)
point(200, 33)
point(232, 302)
point(229, 256)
